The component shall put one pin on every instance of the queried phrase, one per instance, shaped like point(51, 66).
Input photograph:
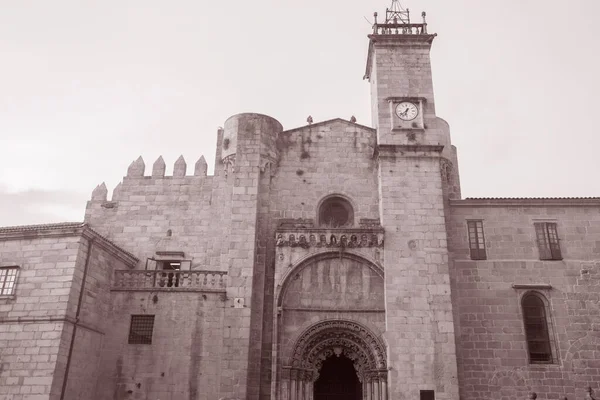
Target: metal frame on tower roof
point(396, 14)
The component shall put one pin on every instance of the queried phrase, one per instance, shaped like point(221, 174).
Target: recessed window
point(536, 329)
point(427, 395)
point(547, 241)
point(141, 328)
point(336, 212)
point(169, 265)
point(476, 240)
point(8, 280)
point(171, 276)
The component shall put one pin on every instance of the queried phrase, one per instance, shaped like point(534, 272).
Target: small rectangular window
point(140, 331)
point(547, 241)
point(427, 395)
point(8, 280)
point(476, 240)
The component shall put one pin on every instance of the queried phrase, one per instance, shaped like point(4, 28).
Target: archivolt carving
point(363, 361)
point(324, 339)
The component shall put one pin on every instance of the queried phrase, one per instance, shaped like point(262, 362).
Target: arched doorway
point(337, 380)
point(335, 360)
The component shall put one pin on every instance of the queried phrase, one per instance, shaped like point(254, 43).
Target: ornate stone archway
point(329, 339)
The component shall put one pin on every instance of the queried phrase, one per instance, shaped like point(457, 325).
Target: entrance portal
point(338, 380)
point(335, 360)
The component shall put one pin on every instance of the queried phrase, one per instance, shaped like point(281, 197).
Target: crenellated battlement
point(151, 210)
point(136, 172)
point(137, 169)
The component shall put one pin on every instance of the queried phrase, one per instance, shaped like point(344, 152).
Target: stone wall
point(32, 354)
point(492, 349)
point(37, 322)
point(417, 284)
point(165, 213)
point(93, 316)
point(185, 357)
point(333, 157)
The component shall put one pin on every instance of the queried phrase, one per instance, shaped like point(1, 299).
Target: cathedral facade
point(329, 261)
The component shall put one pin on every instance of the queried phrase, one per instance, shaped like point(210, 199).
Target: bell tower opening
point(338, 380)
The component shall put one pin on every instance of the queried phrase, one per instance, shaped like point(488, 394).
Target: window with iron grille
point(547, 241)
point(140, 331)
point(536, 329)
point(476, 240)
point(8, 280)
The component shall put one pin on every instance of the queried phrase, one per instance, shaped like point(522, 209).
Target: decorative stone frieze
point(330, 238)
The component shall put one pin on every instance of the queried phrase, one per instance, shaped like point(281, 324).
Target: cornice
point(394, 150)
point(329, 121)
point(531, 286)
point(528, 202)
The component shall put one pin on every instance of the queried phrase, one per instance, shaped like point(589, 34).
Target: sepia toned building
point(329, 261)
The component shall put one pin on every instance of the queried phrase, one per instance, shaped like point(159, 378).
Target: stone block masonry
point(184, 359)
point(419, 321)
point(37, 321)
point(492, 348)
point(331, 240)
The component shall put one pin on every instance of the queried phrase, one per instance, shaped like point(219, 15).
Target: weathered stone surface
point(393, 289)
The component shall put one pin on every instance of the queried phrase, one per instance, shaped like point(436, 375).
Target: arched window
point(536, 329)
point(336, 212)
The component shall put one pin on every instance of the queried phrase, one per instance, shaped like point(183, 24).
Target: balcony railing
point(193, 281)
point(400, 29)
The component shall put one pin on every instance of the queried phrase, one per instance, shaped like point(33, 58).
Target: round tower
point(249, 154)
point(250, 140)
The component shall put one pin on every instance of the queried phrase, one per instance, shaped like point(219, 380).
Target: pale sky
point(88, 86)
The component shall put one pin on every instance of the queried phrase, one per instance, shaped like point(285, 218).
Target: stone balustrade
point(170, 280)
point(400, 29)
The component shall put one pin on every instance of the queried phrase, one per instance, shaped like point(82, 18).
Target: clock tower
point(417, 175)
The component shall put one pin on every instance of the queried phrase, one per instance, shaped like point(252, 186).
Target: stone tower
point(248, 152)
point(413, 148)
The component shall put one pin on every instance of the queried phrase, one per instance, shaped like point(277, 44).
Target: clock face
point(407, 111)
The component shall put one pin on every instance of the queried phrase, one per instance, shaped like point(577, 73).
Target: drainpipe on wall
point(72, 345)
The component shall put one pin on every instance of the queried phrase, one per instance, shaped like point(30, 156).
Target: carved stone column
point(311, 389)
point(293, 385)
point(376, 388)
point(383, 390)
point(368, 387)
point(284, 387)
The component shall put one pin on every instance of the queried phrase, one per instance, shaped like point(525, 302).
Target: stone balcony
point(170, 280)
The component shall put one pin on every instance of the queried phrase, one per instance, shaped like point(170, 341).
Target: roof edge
point(527, 202)
point(328, 122)
point(66, 229)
